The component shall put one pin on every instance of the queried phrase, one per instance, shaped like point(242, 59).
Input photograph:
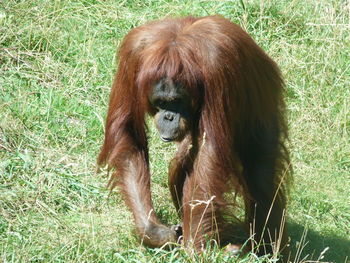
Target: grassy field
point(57, 60)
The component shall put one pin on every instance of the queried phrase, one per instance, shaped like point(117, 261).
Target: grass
point(57, 60)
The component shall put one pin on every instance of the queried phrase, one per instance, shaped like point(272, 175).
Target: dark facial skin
point(173, 111)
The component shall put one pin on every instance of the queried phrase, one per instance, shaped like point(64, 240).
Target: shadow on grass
point(314, 244)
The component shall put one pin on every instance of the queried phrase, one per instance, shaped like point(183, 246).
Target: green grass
point(57, 60)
